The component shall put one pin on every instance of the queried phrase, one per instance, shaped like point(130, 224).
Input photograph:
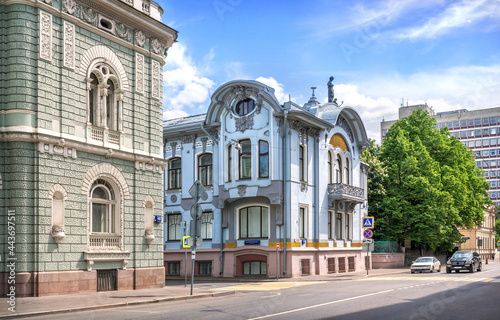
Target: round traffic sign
point(367, 233)
point(277, 245)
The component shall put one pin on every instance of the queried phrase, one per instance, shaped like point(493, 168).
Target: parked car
point(426, 264)
point(464, 260)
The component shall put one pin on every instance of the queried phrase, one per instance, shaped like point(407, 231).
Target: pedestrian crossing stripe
point(459, 279)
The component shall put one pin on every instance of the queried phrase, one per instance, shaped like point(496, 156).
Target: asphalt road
point(403, 296)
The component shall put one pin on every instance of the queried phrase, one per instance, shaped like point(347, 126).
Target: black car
point(464, 260)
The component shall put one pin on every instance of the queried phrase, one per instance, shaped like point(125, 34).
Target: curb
point(115, 305)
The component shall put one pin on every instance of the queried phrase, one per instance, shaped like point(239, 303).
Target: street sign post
point(195, 191)
point(367, 222)
point(367, 247)
point(367, 233)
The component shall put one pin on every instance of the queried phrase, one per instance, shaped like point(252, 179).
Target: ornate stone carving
point(157, 47)
point(155, 79)
point(140, 38)
point(244, 123)
point(242, 191)
point(69, 6)
point(275, 198)
point(173, 198)
point(45, 35)
point(342, 122)
point(48, 1)
point(58, 233)
point(204, 196)
point(139, 72)
point(123, 32)
point(148, 166)
point(149, 236)
point(57, 149)
point(188, 138)
point(303, 186)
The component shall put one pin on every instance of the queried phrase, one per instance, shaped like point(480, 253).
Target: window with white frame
point(302, 163)
point(245, 159)
point(103, 208)
point(338, 169)
point(347, 227)
point(331, 216)
point(175, 173)
point(205, 169)
point(206, 220)
point(338, 225)
point(104, 97)
point(347, 170)
point(254, 222)
point(229, 162)
point(263, 159)
point(330, 167)
point(174, 226)
point(302, 222)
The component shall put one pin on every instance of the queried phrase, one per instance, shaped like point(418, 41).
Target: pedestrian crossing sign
point(367, 222)
point(186, 242)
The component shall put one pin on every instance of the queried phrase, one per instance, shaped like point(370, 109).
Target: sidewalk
point(26, 307)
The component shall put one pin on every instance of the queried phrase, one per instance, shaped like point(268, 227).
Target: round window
point(244, 107)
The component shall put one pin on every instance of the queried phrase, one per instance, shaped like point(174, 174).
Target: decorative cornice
point(80, 146)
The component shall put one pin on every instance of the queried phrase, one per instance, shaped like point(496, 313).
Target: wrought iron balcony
point(340, 191)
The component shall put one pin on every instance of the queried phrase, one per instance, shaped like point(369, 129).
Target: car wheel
point(471, 270)
point(432, 269)
point(480, 267)
point(439, 270)
point(448, 270)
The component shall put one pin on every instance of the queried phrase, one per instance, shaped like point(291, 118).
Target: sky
point(381, 53)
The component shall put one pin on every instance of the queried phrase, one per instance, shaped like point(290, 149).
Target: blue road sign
point(367, 222)
point(185, 242)
point(367, 233)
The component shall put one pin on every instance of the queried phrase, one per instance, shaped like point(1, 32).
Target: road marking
point(268, 286)
point(434, 279)
point(322, 304)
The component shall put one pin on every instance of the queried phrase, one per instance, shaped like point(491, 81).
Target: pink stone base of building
point(300, 261)
point(29, 284)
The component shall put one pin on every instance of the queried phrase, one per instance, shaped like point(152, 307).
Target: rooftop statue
point(330, 90)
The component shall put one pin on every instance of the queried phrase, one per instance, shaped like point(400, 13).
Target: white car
point(425, 264)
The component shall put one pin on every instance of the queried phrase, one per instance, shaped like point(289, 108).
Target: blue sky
point(445, 53)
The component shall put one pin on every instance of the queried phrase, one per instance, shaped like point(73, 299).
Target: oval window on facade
point(244, 107)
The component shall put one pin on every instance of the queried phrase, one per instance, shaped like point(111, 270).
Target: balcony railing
point(151, 8)
point(104, 242)
point(104, 135)
point(340, 191)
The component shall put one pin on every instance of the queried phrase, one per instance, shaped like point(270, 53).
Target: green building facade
point(81, 145)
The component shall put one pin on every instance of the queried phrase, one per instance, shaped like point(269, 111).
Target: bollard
point(486, 260)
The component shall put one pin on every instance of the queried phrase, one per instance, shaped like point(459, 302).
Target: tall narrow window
point(174, 226)
point(347, 227)
point(205, 171)
point(174, 173)
point(245, 159)
point(302, 175)
point(338, 226)
point(330, 167)
point(302, 222)
point(93, 99)
point(347, 172)
point(110, 106)
point(253, 222)
point(230, 163)
point(263, 159)
point(206, 221)
point(103, 208)
point(338, 170)
point(330, 226)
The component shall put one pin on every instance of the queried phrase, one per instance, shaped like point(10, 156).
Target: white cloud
point(459, 14)
point(279, 92)
point(468, 87)
point(185, 86)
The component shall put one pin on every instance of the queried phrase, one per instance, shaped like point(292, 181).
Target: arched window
point(347, 172)
point(230, 162)
point(174, 173)
point(338, 170)
point(103, 208)
point(245, 159)
point(330, 167)
point(104, 97)
point(205, 171)
point(244, 107)
point(263, 159)
point(254, 222)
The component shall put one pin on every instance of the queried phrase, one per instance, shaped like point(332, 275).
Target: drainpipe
point(286, 183)
point(221, 244)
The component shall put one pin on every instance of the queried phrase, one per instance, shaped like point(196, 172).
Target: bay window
point(254, 222)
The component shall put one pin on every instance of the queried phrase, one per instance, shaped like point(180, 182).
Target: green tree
point(430, 185)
